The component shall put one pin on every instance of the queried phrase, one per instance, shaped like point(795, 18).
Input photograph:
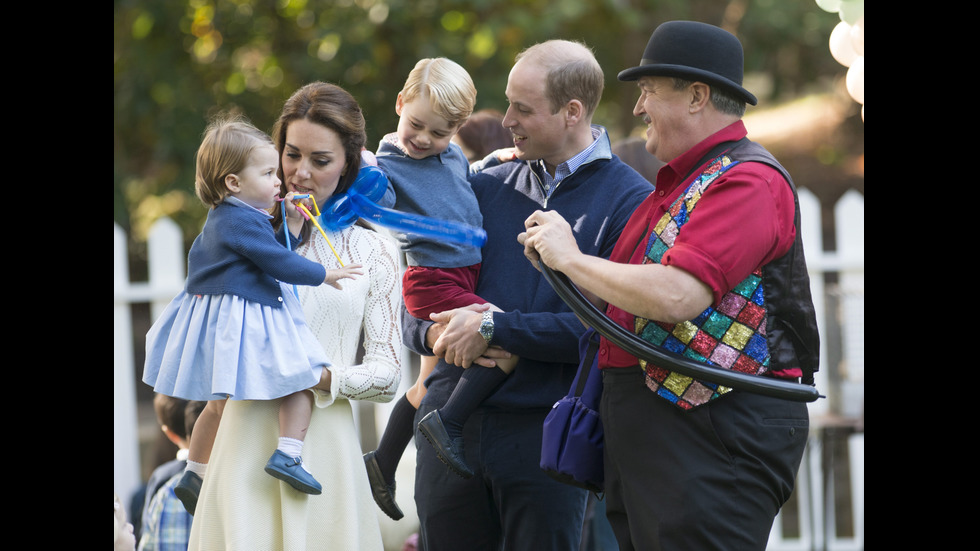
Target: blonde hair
point(447, 85)
point(225, 149)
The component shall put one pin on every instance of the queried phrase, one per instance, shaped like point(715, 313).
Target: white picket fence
point(814, 502)
point(841, 342)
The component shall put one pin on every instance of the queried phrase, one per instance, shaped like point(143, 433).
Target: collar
point(600, 148)
point(389, 146)
point(685, 163)
point(236, 202)
point(590, 153)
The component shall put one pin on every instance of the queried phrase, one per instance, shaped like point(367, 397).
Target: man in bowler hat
point(709, 266)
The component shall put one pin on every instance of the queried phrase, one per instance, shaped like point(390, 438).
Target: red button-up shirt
point(743, 221)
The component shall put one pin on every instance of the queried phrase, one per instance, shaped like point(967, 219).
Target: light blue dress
point(207, 347)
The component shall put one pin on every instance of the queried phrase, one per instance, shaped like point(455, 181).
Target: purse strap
point(587, 361)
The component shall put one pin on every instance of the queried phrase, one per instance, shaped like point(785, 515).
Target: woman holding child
point(320, 134)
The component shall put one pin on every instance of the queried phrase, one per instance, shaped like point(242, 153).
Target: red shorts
point(428, 290)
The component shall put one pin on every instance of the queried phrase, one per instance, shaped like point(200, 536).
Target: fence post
point(849, 213)
point(856, 454)
point(811, 222)
point(165, 264)
point(125, 438)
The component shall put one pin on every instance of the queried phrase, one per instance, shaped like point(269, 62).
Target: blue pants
point(712, 478)
point(509, 504)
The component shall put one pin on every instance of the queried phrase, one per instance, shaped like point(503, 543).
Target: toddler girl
point(237, 330)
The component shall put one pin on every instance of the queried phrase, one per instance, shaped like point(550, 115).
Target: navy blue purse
point(572, 439)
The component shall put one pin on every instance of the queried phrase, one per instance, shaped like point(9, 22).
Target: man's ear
point(700, 96)
point(574, 111)
point(231, 182)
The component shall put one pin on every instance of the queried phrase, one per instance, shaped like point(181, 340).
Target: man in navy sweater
point(564, 163)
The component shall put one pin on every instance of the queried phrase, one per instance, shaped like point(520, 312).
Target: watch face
point(486, 328)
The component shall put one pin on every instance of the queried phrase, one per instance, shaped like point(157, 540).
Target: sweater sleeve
point(542, 336)
point(256, 241)
point(377, 376)
point(413, 332)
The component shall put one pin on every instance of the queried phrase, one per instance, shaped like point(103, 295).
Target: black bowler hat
point(693, 51)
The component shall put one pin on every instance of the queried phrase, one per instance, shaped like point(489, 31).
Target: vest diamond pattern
point(731, 336)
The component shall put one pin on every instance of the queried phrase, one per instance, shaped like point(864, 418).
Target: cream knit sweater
point(243, 508)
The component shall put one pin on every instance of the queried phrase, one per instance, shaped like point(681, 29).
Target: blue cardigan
point(597, 200)
point(237, 253)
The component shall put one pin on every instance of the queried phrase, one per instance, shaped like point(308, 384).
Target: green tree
point(176, 63)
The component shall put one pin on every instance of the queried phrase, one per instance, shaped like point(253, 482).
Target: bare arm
point(652, 291)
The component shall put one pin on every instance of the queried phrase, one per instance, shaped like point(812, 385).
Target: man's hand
point(460, 342)
point(548, 238)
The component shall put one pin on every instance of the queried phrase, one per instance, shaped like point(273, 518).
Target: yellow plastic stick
point(317, 224)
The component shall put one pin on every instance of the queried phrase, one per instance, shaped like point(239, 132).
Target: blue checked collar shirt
point(568, 167)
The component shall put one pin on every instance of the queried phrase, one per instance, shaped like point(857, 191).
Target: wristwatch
point(486, 327)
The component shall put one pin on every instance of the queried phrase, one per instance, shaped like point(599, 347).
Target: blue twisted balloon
point(360, 201)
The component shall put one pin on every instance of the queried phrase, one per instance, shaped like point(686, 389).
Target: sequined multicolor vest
point(746, 331)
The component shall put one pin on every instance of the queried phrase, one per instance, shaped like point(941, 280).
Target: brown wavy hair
point(330, 106)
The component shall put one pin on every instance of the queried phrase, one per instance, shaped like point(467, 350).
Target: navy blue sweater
point(597, 200)
point(237, 253)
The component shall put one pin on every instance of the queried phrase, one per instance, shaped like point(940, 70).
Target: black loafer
point(384, 495)
point(188, 489)
point(449, 450)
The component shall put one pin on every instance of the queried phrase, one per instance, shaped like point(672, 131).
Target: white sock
point(290, 446)
point(197, 468)
point(293, 448)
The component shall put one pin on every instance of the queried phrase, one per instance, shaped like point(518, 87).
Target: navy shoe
point(290, 470)
point(449, 450)
point(384, 495)
point(187, 490)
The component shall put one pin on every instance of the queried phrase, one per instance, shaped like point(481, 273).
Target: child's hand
point(347, 272)
point(368, 158)
point(292, 212)
point(507, 154)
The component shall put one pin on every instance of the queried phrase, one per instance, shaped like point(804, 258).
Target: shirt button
point(661, 193)
point(280, 299)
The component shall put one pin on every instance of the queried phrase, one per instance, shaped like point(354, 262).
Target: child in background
point(429, 175)
point(236, 330)
point(166, 522)
point(169, 411)
point(483, 134)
